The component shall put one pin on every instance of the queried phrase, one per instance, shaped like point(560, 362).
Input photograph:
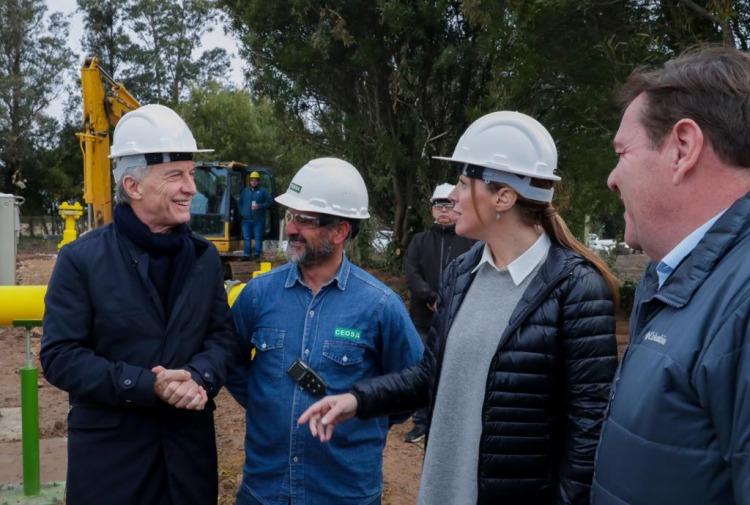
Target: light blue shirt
point(354, 328)
point(199, 204)
point(671, 261)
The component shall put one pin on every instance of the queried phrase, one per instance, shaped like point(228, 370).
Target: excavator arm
point(104, 103)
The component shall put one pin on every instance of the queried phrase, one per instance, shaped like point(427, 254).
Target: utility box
point(10, 227)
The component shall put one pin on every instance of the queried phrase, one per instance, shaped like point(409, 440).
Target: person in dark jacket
point(137, 330)
point(678, 424)
point(521, 352)
point(428, 254)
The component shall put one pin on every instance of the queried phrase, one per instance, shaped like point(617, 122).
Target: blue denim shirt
point(353, 328)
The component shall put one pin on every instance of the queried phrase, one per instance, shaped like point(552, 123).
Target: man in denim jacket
point(314, 326)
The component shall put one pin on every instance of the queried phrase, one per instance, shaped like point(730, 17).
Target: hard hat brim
point(300, 204)
point(503, 169)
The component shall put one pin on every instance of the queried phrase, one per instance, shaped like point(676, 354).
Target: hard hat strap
point(142, 160)
point(520, 183)
point(157, 158)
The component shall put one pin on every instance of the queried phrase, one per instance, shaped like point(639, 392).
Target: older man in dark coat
point(136, 330)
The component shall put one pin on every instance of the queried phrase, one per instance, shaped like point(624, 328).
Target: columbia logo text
point(655, 337)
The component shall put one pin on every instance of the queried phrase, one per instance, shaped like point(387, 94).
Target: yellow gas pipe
point(26, 303)
point(21, 303)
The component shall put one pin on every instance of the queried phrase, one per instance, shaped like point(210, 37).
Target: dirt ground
point(402, 461)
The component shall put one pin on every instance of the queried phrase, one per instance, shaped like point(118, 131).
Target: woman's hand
point(325, 414)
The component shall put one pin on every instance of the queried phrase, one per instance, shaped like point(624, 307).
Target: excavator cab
point(214, 211)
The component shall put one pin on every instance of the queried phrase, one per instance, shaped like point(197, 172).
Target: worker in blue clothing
point(254, 200)
point(678, 425)
point(316, 325)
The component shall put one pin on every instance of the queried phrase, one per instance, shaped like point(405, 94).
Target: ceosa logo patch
point(347, 333)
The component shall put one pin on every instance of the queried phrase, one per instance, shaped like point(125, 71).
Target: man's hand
point(177, 388)
point(326, 413)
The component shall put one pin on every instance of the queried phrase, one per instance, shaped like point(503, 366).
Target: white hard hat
point(328, 186)
point(442, 191)
point(150, 130)
point(507, 142)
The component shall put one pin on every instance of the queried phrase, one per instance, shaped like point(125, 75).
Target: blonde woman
point(521, 352)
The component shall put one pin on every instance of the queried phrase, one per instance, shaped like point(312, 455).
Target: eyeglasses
point(443, 206)
point(308, 221)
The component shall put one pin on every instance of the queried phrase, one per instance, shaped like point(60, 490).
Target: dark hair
point(353, 227)
point(330, 221)
point(708, 84)
point(545, 215)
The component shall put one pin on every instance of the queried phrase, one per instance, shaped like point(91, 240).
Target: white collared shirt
point(522, 266)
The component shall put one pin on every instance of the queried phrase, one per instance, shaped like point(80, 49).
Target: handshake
point(177, 388)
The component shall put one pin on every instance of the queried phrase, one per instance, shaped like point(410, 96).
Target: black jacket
point(428, 254)
point(547, 386)
point(104, 329)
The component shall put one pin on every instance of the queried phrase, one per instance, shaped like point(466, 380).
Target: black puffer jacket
point(547, 386)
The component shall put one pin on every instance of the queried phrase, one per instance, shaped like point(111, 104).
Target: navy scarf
point(171, 255)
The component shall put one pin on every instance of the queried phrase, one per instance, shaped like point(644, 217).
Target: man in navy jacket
point(137, 331)
point(678, 425)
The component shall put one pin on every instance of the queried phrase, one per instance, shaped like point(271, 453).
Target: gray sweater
point(449, 474)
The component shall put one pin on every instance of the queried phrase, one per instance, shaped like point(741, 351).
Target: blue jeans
point(245, 498)
point(253, 230)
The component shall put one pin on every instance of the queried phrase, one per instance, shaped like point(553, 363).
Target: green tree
point(56, 175)
point(389, 83)
point(243, 128)
point(104, 33)
point(33, 56)
point(716, 19)
point(382, 84)
point(160, 66)
point(568, 57)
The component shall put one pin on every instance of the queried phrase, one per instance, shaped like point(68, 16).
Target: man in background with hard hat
point(315, 326)
point(428, 254)
point(137, 330)
point(254, 200)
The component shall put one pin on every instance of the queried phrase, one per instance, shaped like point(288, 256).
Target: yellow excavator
point(105, 101)
point(216, 217)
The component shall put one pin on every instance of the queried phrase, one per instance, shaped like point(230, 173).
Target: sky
point(216, 38)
